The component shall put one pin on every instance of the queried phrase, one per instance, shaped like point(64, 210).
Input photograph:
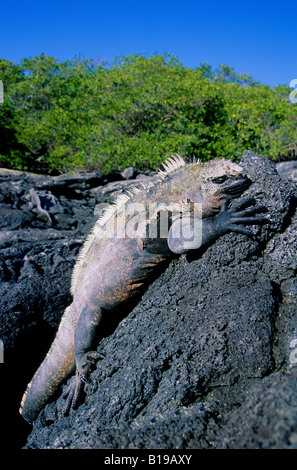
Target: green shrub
point(136, 111)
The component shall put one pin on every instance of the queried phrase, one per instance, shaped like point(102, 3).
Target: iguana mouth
point(238, 187)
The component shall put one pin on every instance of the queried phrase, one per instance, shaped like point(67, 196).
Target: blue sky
point(255, 37)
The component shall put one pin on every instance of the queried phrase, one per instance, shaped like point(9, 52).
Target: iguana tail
point(57, 365)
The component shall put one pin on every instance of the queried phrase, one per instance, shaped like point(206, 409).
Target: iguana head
point(215, 181)
point(223, 178)
point(208, 183)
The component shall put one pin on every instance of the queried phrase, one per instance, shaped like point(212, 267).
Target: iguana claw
point(73, 391)
point(240, 213)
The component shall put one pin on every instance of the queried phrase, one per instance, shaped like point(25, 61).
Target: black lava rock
point(206, 359)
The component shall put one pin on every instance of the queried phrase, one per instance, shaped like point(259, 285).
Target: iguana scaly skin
point(112, 267)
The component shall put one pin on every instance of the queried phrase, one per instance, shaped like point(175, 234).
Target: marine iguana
point(114, 266)
point(36, 203)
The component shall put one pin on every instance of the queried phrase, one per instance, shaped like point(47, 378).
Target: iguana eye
point(220, 179)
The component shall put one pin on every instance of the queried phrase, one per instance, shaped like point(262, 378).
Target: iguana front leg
point(211, 228)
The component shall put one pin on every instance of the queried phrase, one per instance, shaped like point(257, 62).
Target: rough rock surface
point(206, 359)
point(287, 170)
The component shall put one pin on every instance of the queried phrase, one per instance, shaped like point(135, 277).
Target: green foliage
point(136, 111)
